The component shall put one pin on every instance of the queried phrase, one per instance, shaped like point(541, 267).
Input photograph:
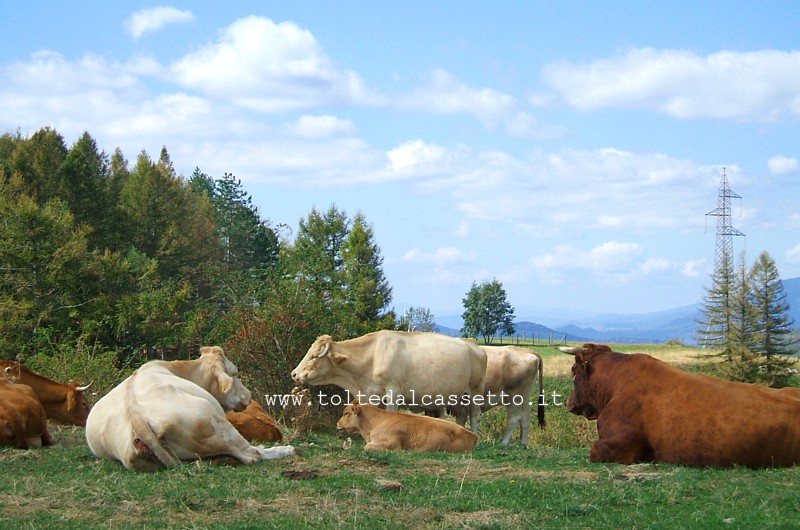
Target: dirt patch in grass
point(481, 518)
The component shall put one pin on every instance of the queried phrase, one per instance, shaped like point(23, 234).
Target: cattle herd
point(169, 412)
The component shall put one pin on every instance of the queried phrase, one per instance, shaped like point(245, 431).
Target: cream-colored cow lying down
point(169, 412)
point(386, 430)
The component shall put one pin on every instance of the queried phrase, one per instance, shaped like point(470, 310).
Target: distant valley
point(578, 326)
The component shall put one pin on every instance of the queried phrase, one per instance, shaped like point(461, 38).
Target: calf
point(647, 410)
point(386, 430)
point(23, 423)
point(255, 424)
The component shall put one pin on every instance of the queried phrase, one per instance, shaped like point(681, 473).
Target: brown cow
point(386, 430)
point(63, 403)
point(647, 410)
point(23, 423)
point(255, 424)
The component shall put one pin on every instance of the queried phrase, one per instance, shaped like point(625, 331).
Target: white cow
point(511, 374)
point(169, 412)
point(418, 370)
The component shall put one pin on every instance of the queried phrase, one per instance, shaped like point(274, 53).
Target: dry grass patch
point(557, 363)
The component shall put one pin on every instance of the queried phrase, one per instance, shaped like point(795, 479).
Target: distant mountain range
point(579, 326)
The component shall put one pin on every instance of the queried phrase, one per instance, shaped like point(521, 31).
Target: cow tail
point(143, 430)
point(540, 408)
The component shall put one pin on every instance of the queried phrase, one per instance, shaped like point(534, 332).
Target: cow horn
point(574, 350)
point(82, 388)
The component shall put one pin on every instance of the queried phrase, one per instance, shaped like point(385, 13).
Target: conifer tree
point(716, 329)
point(367, 290)
point(773, 325)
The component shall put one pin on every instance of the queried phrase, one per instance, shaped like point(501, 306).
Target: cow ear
point(356, 408)
point(338, 358)
point(71, 401)
point(225, 382)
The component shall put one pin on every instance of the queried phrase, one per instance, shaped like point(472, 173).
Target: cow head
point(319, 363)
point(583, 401)
point(223, 379)
point(349, 421)
point(77, 404)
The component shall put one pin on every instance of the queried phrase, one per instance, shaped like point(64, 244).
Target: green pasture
point(333, 483)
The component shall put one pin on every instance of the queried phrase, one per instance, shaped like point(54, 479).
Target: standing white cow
point(420, 370)
point(511, 374)
point(167, 412)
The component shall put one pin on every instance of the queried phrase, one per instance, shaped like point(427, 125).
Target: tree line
point(105, 264)
point(746, 319)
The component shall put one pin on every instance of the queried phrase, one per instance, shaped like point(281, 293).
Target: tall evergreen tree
point(167, 221)
point(743, 313)
point(118, 225)
point(774, 325)
point(317, 250)
point(84, 185)
point(717, 327)
point(38, 160)
point(248, 244)
point(365, 284)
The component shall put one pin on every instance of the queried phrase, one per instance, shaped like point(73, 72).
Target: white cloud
point(610, 256)
point(154, 19)
point(462, 230)
point(759, 86)
point(783, 165)
point(414, 154)
point(691, 269)
point(439, 257)
point(270, 68)
point(793, 254)
point(321, 127)
point(445, 94)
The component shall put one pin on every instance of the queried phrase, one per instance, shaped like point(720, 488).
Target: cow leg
point(460, 414)
point(273, 453)
point(511, 425)
point(382, 446)
point(209, 440)
point(524, 424)
point(47, 438)
point(474, 417)
point(620, 443)
point(518, 415)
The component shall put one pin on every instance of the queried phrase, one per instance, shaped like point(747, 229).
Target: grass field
point(333, 483)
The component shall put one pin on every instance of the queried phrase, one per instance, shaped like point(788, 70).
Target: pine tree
point(248, 244)
point(774, 325)
point(38, 160)
point(368, 292)
point(717, 328)
point(84, 185)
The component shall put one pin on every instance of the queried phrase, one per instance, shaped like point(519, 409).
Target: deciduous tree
point(487, 311)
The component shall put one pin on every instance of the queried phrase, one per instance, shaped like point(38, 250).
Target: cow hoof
point(273, 453)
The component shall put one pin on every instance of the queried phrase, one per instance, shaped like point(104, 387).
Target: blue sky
point(569, 150)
